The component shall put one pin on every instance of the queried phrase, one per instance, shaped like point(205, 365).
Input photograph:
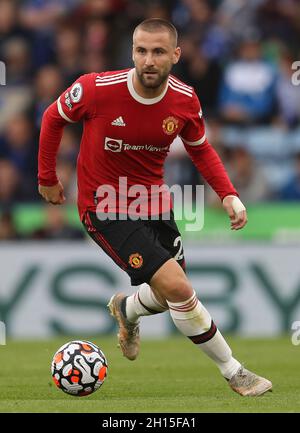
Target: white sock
point(194, 321)
point(142, 303)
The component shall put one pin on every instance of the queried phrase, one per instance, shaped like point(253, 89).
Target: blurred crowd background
point(237, 54)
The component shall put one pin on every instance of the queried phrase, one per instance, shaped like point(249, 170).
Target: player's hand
point(53, 194)
point(236, 211)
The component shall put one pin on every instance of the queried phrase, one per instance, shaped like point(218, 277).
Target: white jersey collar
point(137, 97)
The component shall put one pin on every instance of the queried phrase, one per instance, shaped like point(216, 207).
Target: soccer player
point(131, 117)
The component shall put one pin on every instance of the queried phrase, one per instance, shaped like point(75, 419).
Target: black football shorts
point(138, 247)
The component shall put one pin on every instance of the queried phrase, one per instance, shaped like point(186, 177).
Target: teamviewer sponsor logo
point(113, 144)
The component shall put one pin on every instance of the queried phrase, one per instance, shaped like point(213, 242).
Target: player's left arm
point(210, 165)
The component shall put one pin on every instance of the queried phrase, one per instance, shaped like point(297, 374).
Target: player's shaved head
point(155, 25)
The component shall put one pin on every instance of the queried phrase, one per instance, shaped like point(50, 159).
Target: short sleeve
point(193, 133)
point(78, 101)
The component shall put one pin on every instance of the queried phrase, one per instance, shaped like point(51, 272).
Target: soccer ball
point(79, 368)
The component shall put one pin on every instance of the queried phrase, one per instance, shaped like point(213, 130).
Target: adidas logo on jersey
point(118, 122)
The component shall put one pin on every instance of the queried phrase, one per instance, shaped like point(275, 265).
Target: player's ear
point(176, 55)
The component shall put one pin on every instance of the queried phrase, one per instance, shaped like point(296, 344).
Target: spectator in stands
point(17, 57)
point(94, 62)
point(67, 174)
point(179, 169)
point(96, 36)
point(156, 9)
point(13, 100)
point(44, 14)
point(57, 227)
point(41, 18)
point(291, 190)
point(288, 95)
point(69, 146)
point(247, 93)
point(94, 9)
point(48, 85)
point(68, 51)
point(95, 45)
point(8, 230)
point(248, 175)
point(204, 75)
point(15, 41)
point(280, 19)
point(18, 144)
point(10, 183)
point(194, 16)
point(238, 17)
point(10, 26)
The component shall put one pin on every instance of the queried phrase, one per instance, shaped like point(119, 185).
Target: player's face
point(154, 54)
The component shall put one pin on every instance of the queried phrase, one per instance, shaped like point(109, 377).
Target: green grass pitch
point(170, 375)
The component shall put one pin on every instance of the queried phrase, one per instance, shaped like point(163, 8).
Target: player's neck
point(146, 92)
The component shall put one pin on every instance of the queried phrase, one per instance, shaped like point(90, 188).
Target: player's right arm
point(76, 103)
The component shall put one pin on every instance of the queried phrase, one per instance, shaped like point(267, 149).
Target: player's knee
point(171, 282)
point(177, 289)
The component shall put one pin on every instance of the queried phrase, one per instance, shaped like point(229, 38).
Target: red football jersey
point(127, 137)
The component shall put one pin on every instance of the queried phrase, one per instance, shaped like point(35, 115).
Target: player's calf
point(144, 302)
point(195, 322)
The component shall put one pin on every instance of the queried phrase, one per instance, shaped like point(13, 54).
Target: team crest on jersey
point(76, 92)
point(135, 260)
point(170, 124)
